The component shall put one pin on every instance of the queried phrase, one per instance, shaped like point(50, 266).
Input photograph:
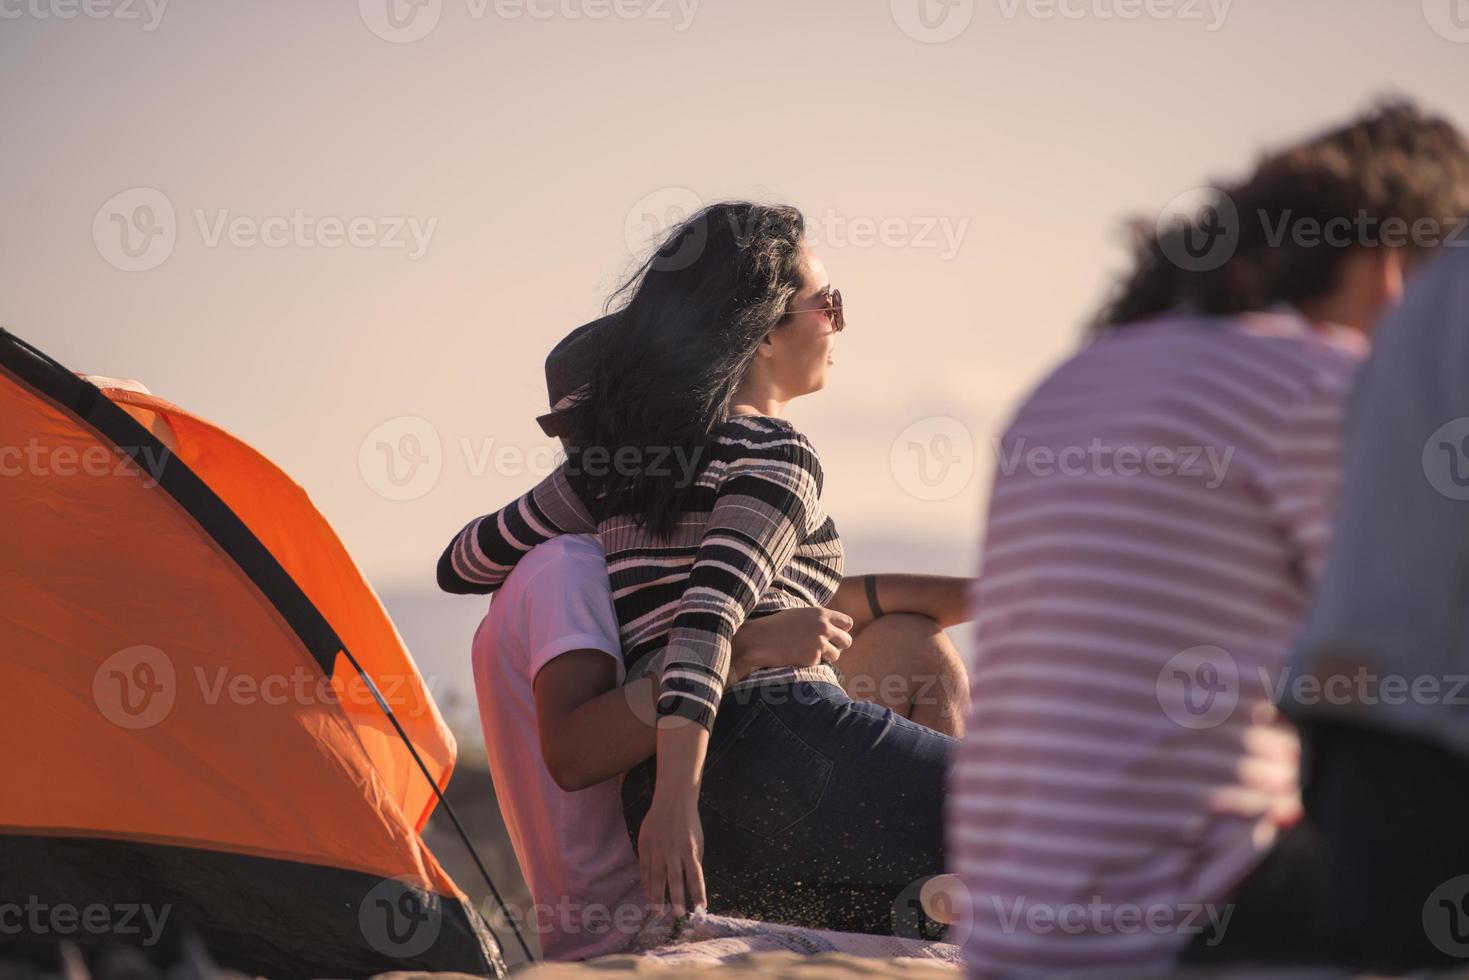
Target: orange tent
point(191, 732)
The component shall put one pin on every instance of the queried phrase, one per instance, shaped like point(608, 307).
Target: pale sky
point(965, 194)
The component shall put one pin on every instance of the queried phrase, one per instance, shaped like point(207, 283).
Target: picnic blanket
point(705, 938)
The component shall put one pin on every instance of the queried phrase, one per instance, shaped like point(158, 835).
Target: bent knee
point(910, 647)
point(902, 629)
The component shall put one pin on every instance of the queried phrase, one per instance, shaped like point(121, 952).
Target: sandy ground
point(756, 964)
point(833, 965)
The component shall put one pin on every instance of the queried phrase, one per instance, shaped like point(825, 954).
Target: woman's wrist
point(680, 762)
point(682, 797)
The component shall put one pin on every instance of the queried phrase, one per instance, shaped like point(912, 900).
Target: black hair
point(1392, 162)
point(695, 314)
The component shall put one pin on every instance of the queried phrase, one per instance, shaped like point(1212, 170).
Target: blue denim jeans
point(817, 810)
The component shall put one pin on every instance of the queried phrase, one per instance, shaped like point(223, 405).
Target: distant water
point(438, 628)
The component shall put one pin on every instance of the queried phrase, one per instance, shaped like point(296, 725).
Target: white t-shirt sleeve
point(568, 606)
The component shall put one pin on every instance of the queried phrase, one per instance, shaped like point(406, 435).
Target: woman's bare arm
point(942, 598)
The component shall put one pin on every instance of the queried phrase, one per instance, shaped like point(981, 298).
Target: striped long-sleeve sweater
point(753, 541)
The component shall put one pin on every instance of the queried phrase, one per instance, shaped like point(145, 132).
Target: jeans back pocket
point(765, 779)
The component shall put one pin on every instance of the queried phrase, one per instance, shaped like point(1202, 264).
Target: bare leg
point(906, 662)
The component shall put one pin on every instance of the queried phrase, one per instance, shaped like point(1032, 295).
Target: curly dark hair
point(666, 371)
point(1393, 162)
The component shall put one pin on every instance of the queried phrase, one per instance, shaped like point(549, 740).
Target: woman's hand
point(803, 637)
point(671, 851)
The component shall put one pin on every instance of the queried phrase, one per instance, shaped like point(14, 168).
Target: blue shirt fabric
point(1386, 640)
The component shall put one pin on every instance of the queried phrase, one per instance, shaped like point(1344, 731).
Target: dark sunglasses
point(832, 310)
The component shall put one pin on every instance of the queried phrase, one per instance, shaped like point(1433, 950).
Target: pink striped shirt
point(1161, 505)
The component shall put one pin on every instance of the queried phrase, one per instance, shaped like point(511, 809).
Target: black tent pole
point(463, 834)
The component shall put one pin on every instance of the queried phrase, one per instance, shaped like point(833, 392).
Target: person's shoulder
point(1317, 361)
point(757, 431)
point(744, 424)
point(768, 448)
point(765, 437)
point(565, 556)
point(1275, 350)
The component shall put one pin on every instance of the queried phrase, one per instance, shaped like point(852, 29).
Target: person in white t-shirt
point(571, 846)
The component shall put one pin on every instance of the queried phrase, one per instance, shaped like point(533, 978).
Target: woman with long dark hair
point(797, 802)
